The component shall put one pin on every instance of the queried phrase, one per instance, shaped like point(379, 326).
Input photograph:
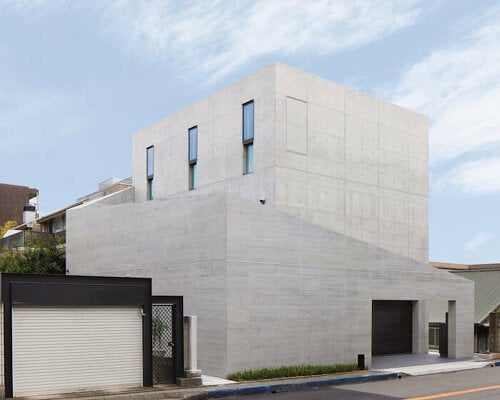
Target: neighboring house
point(292, 214)
point(487, 300)
point(16, 202)
point(54, 223)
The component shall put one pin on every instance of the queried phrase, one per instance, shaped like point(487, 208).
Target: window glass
point(58, 225)
point(193, 176)
point(150, 189)
point(193, 144)
point(248, 159)
point(150, 161)
point(248, 121)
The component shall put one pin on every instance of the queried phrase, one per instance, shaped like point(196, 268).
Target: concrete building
point(292, 215)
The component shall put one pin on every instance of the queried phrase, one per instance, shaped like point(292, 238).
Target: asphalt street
point(479, 384)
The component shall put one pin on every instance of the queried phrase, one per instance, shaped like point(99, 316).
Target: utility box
point(494, 335)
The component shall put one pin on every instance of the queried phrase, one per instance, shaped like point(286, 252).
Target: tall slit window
point(193, 157)
point(248, 131)
point(150, 171)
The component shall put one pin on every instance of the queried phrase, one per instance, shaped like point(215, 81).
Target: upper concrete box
point(320, 151)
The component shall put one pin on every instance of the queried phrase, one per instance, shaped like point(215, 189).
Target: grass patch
point(286, 372)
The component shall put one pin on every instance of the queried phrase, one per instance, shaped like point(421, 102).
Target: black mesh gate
point(162, 330)
point(167, 338)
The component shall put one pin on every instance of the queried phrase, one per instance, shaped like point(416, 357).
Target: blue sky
point(78, 78)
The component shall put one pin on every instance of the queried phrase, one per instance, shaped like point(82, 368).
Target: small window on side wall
point(193, 157)
point(149, 172)
point(248, 135)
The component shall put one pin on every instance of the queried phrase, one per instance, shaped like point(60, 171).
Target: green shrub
point(40, 255)
point(285, 372)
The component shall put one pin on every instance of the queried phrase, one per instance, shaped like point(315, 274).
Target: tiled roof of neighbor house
point(487, 297)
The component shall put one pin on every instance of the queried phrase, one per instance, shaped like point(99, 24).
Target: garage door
point(391, 327)
point(62, 349)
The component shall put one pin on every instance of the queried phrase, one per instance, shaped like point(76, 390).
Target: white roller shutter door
point(63, 349)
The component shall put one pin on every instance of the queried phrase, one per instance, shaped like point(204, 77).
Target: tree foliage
point(8, 225)
point(41, 255)
point(159, 328)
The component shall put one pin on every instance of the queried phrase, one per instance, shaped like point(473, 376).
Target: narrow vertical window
point(248, 132)
point(193, 157)
point(150, 171)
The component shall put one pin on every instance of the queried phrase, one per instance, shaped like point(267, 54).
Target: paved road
point(482, 384)
point(441, 384)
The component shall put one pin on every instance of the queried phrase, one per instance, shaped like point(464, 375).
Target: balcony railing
point(21, 239)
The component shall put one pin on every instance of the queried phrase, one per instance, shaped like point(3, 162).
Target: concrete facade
point(268, 291)
point(291, 281)
point(323, 152)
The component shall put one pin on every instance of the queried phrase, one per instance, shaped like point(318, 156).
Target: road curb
point(290, 386)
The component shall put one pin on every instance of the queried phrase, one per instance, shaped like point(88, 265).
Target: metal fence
point(163, 343)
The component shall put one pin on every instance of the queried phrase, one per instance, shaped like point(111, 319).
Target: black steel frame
point(178, 330)
point(72, 290)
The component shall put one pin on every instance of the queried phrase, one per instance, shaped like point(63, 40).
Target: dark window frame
point(193, 162)
point(193, 176)
point(195, 159)
point(248, 142)
point(150, 176)
point(149, 189)
point(246, 163)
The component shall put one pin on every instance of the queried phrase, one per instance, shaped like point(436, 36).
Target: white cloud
point(475, 177)
point(213, 38)
point(35, 119)
point(38, 8)
point(216, 37)
point(459, 89)
point(478, 240)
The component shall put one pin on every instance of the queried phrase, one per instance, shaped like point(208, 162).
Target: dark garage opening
point(391, 327)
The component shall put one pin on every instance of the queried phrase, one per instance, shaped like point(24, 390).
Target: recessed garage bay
point(391, 327)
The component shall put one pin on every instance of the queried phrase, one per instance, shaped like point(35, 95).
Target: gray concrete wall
point(352, 163)
point(284, 314)
point(325, 153)
point(123, 196)
point(181, 247)
point(288, 276)
point(220, 149)
point(269, 288)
